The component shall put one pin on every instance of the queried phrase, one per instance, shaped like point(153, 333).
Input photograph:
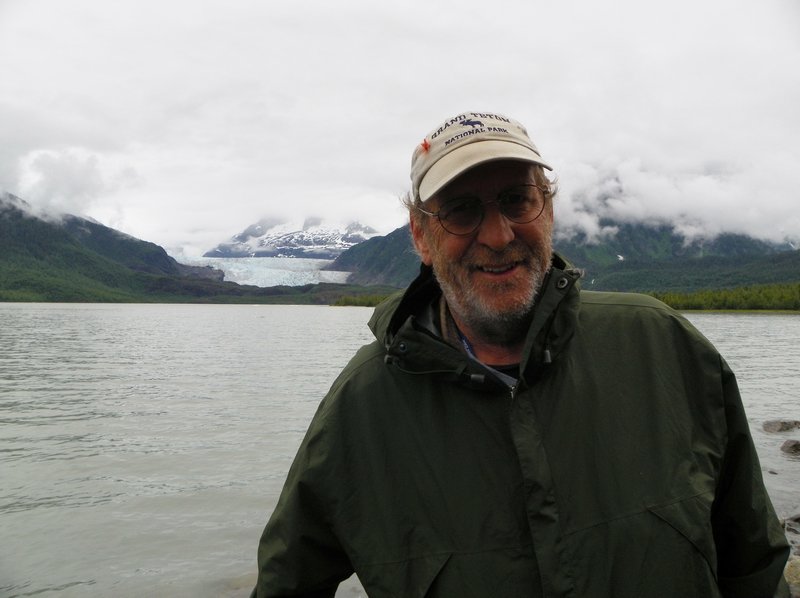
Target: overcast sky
point(182, 122)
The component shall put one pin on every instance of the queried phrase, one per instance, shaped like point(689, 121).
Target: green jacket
point(620, 465)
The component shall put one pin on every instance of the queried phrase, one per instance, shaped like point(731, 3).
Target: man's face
point(490, 277)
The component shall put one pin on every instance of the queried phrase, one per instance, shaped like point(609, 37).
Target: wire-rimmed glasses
point(463, 215)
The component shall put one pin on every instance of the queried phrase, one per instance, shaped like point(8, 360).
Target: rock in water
point(791, 447)
point(781, 425)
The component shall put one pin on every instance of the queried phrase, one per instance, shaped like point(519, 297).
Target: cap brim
point(467, 156)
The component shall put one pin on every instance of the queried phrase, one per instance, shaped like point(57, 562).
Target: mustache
point(515, 253)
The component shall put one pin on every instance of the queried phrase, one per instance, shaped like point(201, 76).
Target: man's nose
point(495, 230)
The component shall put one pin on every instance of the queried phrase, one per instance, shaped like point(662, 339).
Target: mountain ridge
point(638, 258)
point(74, 259)
point(78, 259)
point(314, 238)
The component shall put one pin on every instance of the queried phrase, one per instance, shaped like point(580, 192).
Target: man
point(509, 435)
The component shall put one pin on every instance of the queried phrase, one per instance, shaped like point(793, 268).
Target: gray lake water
point(142, 447)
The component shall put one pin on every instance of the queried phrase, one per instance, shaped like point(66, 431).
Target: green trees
point(755, 297)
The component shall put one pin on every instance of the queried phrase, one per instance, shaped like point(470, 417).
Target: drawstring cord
point(459, 371)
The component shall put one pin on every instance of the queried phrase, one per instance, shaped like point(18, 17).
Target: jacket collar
point(402, 324)
point(555, 316)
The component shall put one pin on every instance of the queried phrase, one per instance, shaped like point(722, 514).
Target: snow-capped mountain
point(312, 238)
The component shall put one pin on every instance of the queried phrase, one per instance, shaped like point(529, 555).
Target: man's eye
point(514, 198)
point(459, 208)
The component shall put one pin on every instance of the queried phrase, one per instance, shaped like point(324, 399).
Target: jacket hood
point(396, 323)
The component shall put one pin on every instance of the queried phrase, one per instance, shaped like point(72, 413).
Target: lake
point(143, 446)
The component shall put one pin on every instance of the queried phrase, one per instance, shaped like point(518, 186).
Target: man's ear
point(548, 210)
point(420, 241)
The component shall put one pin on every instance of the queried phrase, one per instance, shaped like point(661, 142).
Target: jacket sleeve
point(299, 554)
point(751, 546)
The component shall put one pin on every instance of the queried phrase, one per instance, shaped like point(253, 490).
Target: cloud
point(69, 181)
point(700, 202)
point(184, 122)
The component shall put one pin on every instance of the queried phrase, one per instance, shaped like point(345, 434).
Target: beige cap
point(464, 141)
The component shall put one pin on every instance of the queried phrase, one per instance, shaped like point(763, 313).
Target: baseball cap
point(464, 141)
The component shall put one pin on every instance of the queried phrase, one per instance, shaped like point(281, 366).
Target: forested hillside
point(79, 260)
point(638, 258)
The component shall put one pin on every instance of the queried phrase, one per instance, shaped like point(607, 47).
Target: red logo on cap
point(425, 145)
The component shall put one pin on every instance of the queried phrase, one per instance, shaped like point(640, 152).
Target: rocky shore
point(791, 524)
point(792, 574)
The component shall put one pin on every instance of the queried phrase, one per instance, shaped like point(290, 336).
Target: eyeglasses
point(464, 214)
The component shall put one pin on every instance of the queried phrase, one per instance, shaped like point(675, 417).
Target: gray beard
point(487, 323)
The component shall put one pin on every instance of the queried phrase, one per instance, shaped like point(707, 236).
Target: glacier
point(273, 271)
